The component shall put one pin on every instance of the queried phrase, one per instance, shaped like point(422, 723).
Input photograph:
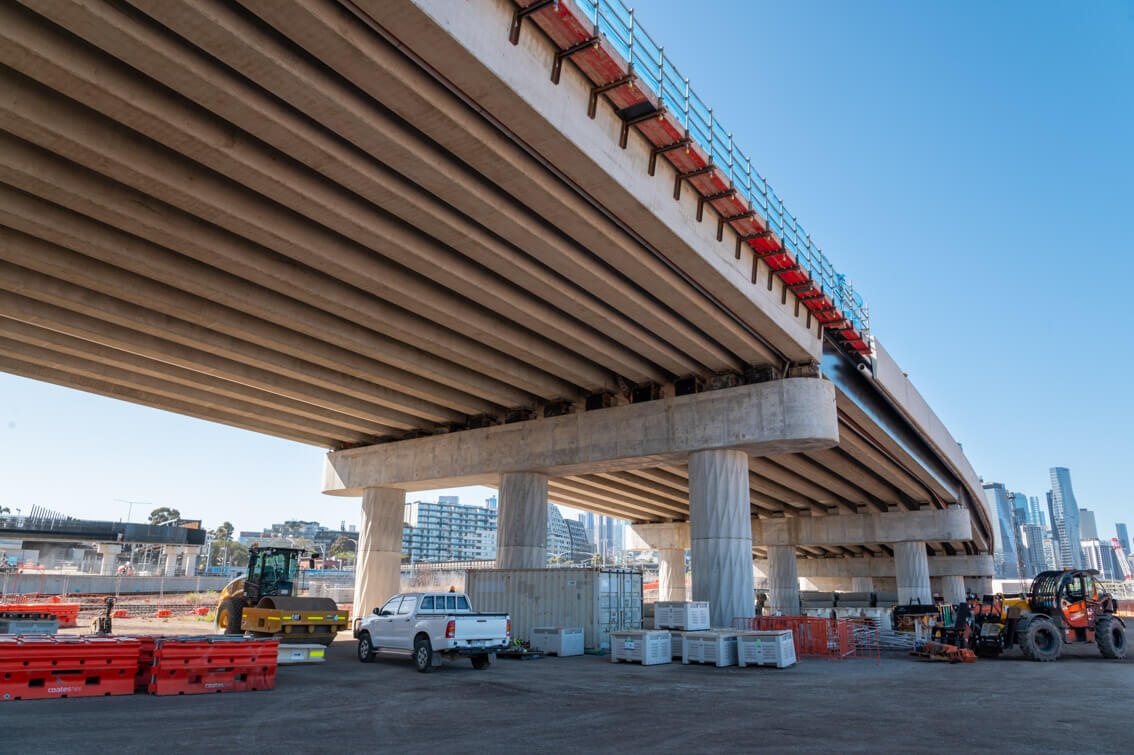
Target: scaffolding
point(604, 40)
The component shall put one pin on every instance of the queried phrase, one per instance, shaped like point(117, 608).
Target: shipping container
point(599, 600)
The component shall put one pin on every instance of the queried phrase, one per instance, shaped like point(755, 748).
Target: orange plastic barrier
point(163, 613)
point(833, 639)
point(200, 665)
point(54, 666)
point(66, 613)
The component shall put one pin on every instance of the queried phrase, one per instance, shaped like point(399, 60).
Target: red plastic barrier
point(66, 613)
point(53, 666)
point(119, 613)
point(200, 665)
point(163, 613)
point(833, 639)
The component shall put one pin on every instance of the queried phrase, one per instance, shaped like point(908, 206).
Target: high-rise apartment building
point(1064, 513)
point(1004, 555)
point(1035, 512)
point(1033, 550)
point(1123, 537)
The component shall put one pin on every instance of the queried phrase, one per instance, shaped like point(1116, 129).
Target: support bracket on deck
point(521, 13)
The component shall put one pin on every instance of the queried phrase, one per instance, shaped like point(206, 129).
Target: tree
point(164, 515)
point(304, 543)
point(342, 546)
point(223, 533)
point(237, 553)
point(5, 510)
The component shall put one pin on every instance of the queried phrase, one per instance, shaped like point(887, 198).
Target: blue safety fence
point(618, 24)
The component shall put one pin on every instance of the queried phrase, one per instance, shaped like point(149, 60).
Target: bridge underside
point(273, 216)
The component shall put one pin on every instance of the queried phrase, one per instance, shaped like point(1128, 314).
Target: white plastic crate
point(293, 654)
point(644, 646)
point(677, 643)
point(766, 648)
point(558, 640)
point(716, 647)
point(688, 615)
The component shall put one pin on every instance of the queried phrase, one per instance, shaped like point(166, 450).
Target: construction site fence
point(617, 23)
point(133, 607)
point(831, 639)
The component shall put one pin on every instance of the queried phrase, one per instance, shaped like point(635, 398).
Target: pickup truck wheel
point(423, 655)
point(365, 649)
point(481, 662)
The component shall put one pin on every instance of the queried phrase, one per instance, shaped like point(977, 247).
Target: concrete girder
point(208, 359)
point(780, 476)
point(808, 469)
point(873, 458)
point(623, 484)
point(557, 493)
point(332, 34)
point(36, 114)
point(158, 387)
point(678, 484)
point(428, 399)
point(21, 254)
point(623, 495)
point(857, 529)
point(880, 495)
point(69, 230)
point(61, 343)
point(773, 417)
point(777, 492)
point(58, 181)
point(319, 94)
point(103, 388)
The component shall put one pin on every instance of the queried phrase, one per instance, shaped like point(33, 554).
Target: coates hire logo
point(63, 690)
point(214, 685)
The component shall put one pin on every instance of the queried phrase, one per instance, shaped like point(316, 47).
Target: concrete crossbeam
point(883, 568)
point(859, 529)
point(774, 417)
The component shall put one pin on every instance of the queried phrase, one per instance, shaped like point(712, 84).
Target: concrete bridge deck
point(374, 226)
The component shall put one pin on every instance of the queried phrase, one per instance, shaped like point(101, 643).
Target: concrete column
point(377, 569)
point(521, 526)
point(720, 534)
point(979, 586)
point(783, 581)
point(911, 567)
point(191, 561)
point(953, 590)
point(171, 554)
point(109, 553)
point(862, 584)
point(671, 574)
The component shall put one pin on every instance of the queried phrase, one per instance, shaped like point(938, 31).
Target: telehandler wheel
point(228, 616)
point(1040, 639)
point(1110, 636)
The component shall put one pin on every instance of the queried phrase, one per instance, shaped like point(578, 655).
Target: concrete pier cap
point(775, 417)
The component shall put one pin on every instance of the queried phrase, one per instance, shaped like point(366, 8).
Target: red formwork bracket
point(53, 666)
point(201, 665)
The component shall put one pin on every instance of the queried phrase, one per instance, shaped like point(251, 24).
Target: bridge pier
point(191, 555)
point(720, 534)
point(109, 553)
point(783, 581)
point(911, 568)
point(521, 530)
point(670, 540)
point(377, 569)
point(171, 553)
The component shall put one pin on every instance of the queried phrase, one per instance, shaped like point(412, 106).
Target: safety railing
point(617, 23)
point(832, 639)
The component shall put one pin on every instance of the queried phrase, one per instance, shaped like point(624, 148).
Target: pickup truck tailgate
point(480, 627)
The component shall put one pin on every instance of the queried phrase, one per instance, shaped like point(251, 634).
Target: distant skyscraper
point(1088, 530)
point(1033, 551)
point(1019, 507)
point(1064, 512)
point(490, 502)
point(1123, 537)
point(1004, 554)
point(1035, 512)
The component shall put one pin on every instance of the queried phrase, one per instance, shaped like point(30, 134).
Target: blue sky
point(969, 165)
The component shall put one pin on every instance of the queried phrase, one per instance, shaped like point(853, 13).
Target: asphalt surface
point(1082, 703)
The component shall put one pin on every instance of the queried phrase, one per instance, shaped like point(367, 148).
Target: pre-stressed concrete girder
point(773, 417)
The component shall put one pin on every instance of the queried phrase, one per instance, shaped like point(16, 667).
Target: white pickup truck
point(433, 625)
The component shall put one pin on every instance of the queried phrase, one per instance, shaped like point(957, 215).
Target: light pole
point(130, 511)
